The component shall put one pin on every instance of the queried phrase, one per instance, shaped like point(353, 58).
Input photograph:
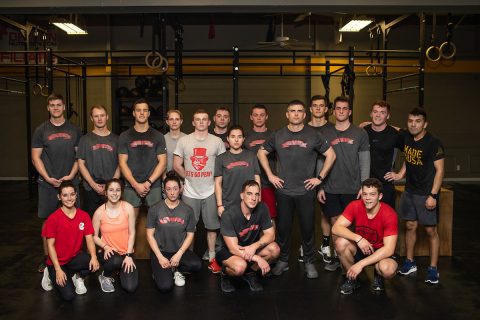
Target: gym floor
point(290, 296)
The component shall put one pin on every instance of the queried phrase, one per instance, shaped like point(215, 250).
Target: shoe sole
point(378, 289)
point(411, 270)
point(310, 276)
point(432, 281)
point(180, 285)
point(325, 258)
point(331, 269)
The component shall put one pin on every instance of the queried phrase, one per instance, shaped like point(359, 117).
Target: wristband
point(434, 195)
point(359, 240)
point(320, 178)
point(149, 181)
point(128, 254)
point(220, 205)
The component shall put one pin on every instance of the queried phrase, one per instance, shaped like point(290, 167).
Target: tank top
point(115, 230)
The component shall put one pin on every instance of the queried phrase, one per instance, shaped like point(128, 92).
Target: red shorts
point(268, 197)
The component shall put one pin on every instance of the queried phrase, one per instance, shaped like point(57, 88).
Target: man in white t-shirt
point(194, 160)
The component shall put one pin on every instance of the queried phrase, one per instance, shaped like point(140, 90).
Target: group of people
point(247, 187)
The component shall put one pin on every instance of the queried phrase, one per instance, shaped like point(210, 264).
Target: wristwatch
point(434, 195)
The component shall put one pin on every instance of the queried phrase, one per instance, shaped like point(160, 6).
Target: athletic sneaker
point(280, 268)
point(378, 283)
point(333, 265)
point(179, 279)
point(311, 271)
point(46, 282)
point(300, 255)
point(79, 284)
point(106, 283)
point(252, 280)
point(432, 275)
point(409, 266)
point(349, 286)
point(214, 267)
point(326, 254)
point(225, 283)
point(206, 256)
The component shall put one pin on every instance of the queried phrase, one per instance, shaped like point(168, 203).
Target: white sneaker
point(79, 284)
point(179, 279)
point(46, 282)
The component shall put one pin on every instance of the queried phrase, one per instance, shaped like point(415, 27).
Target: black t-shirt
point(171, 225)
point(234, 224)
point(383, 151)
point(58, 144)
point(222, 136)
point(142, 149)
point(253, 142)
point(321, 157)
point(419, 158)
point(235, 169)
point(297, 156)
point(100, 156)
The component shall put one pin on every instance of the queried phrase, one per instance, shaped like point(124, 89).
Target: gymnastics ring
point(433, 49)
point(448, 45)
point(370, 72)
point(44, 91)
point(37, 89)
point(154, 60)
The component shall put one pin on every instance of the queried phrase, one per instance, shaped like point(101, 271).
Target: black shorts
point(359, 256)
point(222, 255)
point(335, 204)
point(412, 208)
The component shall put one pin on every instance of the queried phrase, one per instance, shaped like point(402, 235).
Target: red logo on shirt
point(256, 143)
point(199, 158)
point(166, 220)
point(60, 135)
point(288, 144)
point(238, 164)
point(102, 146)
point(339, 140)
point(138, 143)
point(247, 230)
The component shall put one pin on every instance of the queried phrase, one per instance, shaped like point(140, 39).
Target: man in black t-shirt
point(97, 159)
point(54, 144)
point(297, 147)
point(248, 236)
point(424, 167)
point(221, 121)
point(142, 157)
point(385, 140)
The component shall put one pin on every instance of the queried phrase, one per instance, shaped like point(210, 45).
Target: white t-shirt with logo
point(199, 161)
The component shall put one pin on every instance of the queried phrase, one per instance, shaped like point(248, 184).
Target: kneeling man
point(372, 241)
point(248, 236)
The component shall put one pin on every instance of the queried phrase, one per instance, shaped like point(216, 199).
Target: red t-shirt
point(68, 233)
point(384, 224)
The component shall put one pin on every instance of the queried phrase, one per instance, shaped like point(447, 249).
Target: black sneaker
point(349, 286)
point(225, 283)
point(378, 283)
point(252, 280)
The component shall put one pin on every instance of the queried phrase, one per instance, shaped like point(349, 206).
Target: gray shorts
point(132, 197)
point(412, 208)
point(208, 208)
point(48, 199)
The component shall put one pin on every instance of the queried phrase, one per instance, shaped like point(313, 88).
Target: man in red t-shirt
point(372, 241)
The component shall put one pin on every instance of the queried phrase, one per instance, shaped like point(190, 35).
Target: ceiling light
point(356, 24)
point(68, 26)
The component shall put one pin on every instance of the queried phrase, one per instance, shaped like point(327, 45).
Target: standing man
point(221, 121)
point(248, 240)
point(384, 142)
point(174, 121)
point(253, 141)
point(319, 111)
point(297, 147)
point(424, 165)
point(54, 144)
point(194, 161)
point(367, 234)
point(97, 159)
point(351, 167)
point(142, 159)
point(232, 169)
